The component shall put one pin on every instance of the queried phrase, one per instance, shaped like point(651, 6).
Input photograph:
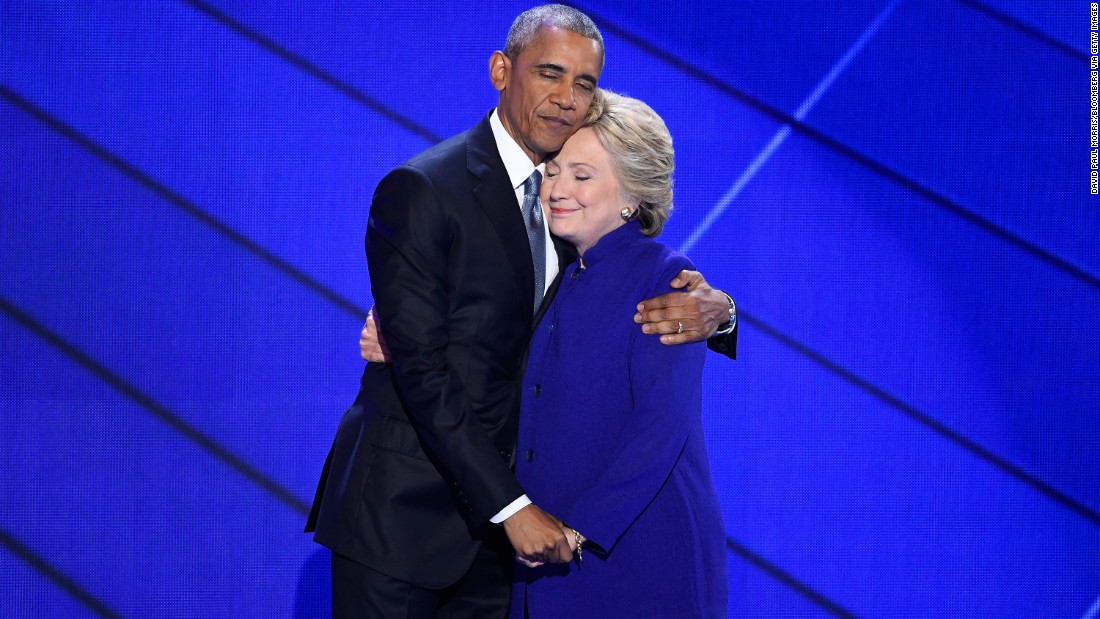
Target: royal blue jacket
point(611, 442)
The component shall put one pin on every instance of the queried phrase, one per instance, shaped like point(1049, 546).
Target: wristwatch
point(728, 327)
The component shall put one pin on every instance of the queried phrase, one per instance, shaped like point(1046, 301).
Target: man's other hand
point(537, 537)
point(372, 346)
point(691, 315)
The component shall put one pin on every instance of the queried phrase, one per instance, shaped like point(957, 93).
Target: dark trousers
point(483, 591)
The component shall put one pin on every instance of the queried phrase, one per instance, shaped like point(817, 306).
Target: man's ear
point(499, 68)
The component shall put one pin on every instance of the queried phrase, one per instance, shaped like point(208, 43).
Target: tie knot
point(532, 184)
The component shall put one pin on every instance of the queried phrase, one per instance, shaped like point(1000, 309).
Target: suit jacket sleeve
point(666, 389)
point(408, 242)
point(725, 344)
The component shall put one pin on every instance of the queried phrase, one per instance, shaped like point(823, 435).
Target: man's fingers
point(565, 554)
point(671, 299)
point(369, 347)
point(676, 331)
point(537, 536)
point(688, 279)
point(372, 347)
point(556, 551)
point(531, 564)
point(553, 550)
point(695, 281)
point(533, 557)
point(669, 314)
point(667, 301)
point(683, 316)
point(663, 327)
point(683, 338)
point(666, 313)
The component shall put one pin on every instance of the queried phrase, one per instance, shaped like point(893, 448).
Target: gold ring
point(679, 327)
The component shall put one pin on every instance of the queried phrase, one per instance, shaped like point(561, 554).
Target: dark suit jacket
point(421, 461)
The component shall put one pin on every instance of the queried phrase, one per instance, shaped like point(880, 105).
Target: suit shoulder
point(448, 155)
point(428, 169)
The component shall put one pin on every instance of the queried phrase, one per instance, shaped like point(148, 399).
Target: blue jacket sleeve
point(725, 344)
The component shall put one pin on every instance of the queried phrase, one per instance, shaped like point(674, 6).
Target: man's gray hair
point(527, 26)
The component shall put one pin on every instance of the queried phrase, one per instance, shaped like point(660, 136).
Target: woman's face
point(582, 192)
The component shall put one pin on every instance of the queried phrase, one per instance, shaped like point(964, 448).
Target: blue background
point(896, 193)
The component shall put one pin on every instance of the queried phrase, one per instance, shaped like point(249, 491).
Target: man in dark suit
point(417, 500)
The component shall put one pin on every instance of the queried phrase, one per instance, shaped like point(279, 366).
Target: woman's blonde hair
point(641, 152)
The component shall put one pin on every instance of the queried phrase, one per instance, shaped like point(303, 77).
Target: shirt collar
point(516, 162)
point(613, 241)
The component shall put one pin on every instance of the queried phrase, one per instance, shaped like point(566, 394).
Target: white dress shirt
point(519, 166)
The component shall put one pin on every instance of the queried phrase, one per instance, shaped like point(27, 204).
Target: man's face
point(546, 91)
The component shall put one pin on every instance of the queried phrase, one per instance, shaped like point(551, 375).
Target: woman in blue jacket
point(611, 436)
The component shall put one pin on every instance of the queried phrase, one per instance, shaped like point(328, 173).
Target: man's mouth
point(557, 122)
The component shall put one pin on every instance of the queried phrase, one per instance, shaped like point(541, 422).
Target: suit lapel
point(497, 198)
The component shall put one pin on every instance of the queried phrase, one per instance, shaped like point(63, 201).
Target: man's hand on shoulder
point(689, 315)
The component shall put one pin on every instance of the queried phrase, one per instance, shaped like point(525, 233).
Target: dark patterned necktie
point(532, 216)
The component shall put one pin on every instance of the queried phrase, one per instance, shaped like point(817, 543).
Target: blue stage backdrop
point(895, 192)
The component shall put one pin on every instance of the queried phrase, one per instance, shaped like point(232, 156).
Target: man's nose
point(563, 97)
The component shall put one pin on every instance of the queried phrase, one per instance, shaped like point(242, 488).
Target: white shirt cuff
point(728, 327)
point(512, 508)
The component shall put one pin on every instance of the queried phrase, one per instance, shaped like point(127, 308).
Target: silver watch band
point(728, 327)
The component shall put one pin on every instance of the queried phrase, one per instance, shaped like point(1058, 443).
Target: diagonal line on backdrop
point(358, 95)
point(796, 125)
point(183, 204)
point(844, 150)
point(781, 135)
point(1094, 611)
point(1027, 29)
point(799, 125)
point(926, 420)
point(157, 409)
point(779, 574)
point(43, 567)
point(312, 69)
point(923, 418)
